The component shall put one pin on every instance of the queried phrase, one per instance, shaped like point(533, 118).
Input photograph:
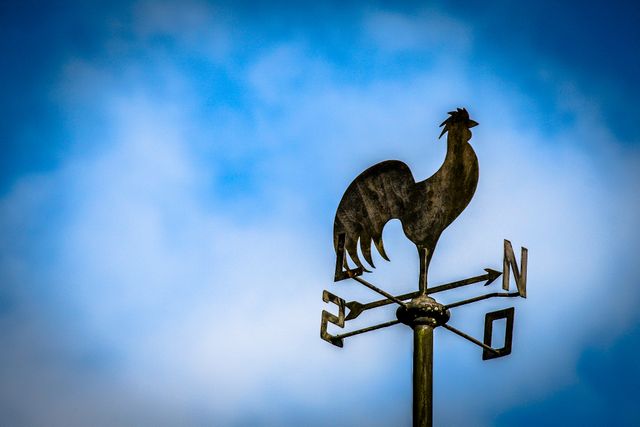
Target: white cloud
point(206, 310)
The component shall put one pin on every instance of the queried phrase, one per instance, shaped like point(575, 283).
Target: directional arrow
point(489, 277)
point(356, 308)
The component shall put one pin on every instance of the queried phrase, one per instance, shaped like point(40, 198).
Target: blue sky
point(170, 172)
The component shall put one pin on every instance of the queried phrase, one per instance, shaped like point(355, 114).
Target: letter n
point(520, 274)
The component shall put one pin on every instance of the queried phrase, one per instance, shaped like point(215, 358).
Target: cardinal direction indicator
point(489, 318)
point(520, 274)
point(331, 318)
point(509, 264)
point(488, 351)
point(386, 191)
point(356, 308)
point(486, 278)
point(339, 321)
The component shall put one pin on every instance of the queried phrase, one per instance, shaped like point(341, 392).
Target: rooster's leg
point(425, 258)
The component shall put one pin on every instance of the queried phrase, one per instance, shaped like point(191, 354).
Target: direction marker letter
point(489, 318)
point(328, 317)
point(520, 274)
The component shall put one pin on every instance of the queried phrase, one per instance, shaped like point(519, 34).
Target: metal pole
point(422, 376)
point(422, 357)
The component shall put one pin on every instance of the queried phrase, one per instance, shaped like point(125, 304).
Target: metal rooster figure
point(388, 191)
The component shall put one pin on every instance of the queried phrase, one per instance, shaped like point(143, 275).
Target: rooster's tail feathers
point(365, 240)
point(380, 246)
point(351, 247)
point(365, 246)
point(376, 196)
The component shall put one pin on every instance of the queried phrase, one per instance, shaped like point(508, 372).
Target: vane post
point(422, 376)
point(422, 356)
point(423, 314)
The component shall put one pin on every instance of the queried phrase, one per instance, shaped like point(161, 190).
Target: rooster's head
point(458, 120)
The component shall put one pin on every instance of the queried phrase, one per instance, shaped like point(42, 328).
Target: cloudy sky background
point(169, 176)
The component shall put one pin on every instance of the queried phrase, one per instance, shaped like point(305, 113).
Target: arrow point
point(355, 308)
point(493, 275)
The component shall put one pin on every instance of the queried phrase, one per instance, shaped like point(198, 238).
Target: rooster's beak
point(472, 123)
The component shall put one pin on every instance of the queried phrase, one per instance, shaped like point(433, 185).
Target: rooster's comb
point(461, 115)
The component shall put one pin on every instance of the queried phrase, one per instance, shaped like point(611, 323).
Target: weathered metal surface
point(423, 310)
point(380, 291)
point(481, 297)
point(422, 376)
point(486, 278)
point(520, 274)
point(356, 308)
point(367, 329)
point(328, 317)
point(341, 261)
point(507, 313)
point(388, 191)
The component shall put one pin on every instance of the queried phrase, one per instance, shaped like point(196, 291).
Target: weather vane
point(388, 191)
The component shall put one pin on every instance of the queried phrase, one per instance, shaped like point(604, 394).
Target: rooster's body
point(388, 191)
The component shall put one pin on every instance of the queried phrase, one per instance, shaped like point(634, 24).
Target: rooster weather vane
point(388, 191)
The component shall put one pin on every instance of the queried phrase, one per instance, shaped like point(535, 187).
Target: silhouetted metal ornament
point(425, 209)
point(388, 191)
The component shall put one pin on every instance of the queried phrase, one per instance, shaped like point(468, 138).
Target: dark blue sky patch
point(596, 43)
point(606, 393)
